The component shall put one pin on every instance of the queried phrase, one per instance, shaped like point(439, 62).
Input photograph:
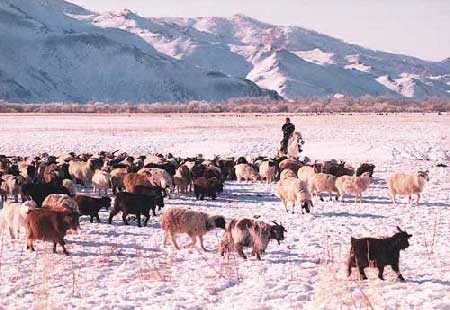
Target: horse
point(295, 143)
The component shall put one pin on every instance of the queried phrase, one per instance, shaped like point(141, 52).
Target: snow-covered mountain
point(47, 55)
point(59, 51)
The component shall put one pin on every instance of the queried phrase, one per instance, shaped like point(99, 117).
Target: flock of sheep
point(51, 205)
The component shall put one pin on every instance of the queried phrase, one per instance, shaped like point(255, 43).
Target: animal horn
point(275, 223)
point(399, 229)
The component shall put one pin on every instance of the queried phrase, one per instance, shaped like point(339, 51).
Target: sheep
point(268, 170)
point(353, 185)
point(91, 205)
point(250, 233)
point(71, 188)
point(207, 187)
point(158, 177)
point(407, 184)
point(101, 181)
point(60, 202)
point(287, 173)
point(14, 215)
point(11, 185)
point(50, 225)
point(196, 224)
point(322, 182)
point(337, 169)
point(245, 172)
point(366, 252)
point(83, 171)
point(137, 204)
point(305, 173)
point(117, 176)
point(295, 191)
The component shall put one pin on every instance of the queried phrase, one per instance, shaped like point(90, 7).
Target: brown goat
point(50, 225)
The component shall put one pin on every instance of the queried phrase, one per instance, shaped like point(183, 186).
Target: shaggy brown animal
point(50, 225)
point(207, 187)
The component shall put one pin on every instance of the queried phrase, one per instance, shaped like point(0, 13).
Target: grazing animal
point(131, 180)
point(252, 234)
point(182, 179)
point(83, 171)
point(305, 173)
point(39, 191)
point(117, 177)
point(156, 192)
point(196, 224)
point(91, 205)
point(50, 225)
point(365, 167)
point(207, 187)
point(101, 181)
point(372, 252)
point(137, 204)
point(245, 172)
point(407, 184)
point(294, 191)
point(11, 185)
point(158, 177)
point(287, 173)
point(353, 185)
point(13, 217)
point(268, 170)
point(322, 182)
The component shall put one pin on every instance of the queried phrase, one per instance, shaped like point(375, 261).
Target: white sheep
point(101, 181)
point(82, 170)
point(196, 224)
point(353, 185)
point(322, 183)
point(294, 191)
point(268, 170)
point(407, 184)
point(13, 217)
point(245, 172)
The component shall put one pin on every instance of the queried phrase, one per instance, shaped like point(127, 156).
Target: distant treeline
point(365, 104)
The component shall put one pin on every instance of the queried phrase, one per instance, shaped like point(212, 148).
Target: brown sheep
point(196, 224)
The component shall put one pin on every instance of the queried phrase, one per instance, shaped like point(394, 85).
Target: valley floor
point(126, 267)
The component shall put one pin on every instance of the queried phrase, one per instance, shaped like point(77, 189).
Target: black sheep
point(91, 205)
point(137, 204)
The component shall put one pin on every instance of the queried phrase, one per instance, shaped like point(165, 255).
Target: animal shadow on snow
point(348, 214)
point(434, 281)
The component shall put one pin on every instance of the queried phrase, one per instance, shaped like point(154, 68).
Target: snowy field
point(119, 267)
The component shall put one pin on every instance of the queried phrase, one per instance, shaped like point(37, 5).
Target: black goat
point(372, 252)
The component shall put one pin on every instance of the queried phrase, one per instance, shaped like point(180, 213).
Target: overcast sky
point(419, 28)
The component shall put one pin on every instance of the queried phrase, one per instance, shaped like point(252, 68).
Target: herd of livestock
point(51, 205)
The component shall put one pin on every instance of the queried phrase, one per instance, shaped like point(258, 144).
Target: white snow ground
point(119, 267)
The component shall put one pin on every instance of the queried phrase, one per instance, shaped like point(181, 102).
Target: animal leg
point(380, 271)
point(124, 218)
point(62, 243)
point(240, 250)
point(362, 274)
point(193, 242)
point(97, 217)
point(138, 217)
point(54, 247)
point(173, 236)
point(111, 215)
point(258, 255)
point(418, 198)
point(349, 269)
point(397, 271)
point(91, 218)
point(147, 217)
point(293, 207)
point(201, 243)
point(166, 236)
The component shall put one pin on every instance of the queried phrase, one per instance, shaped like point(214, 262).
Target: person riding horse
point(288, 129)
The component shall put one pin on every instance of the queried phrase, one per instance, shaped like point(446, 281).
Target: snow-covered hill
point(58, 51)
point(47, 55)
